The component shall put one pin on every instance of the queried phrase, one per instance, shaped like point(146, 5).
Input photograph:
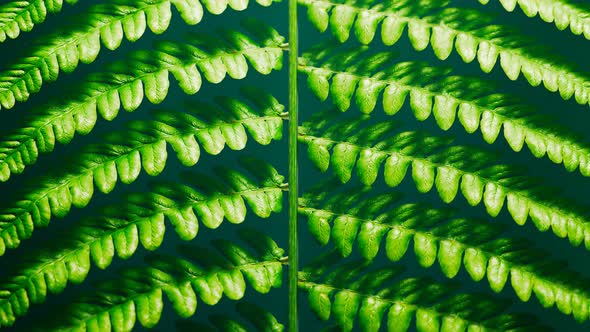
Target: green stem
point(293, 172)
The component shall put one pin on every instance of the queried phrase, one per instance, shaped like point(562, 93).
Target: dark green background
point(571, 186)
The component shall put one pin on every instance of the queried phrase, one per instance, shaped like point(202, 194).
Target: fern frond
point(204, 274)
point(352, 293)
point(148, 77)
point(470, 32)
point(262, 120)
point(63, 50)
point(261, 319)
point(122, 156)
point(22, 15)
point(356, 74)
point(563, 13)
point(140, 219)
point(437, 235)
point(436, 164)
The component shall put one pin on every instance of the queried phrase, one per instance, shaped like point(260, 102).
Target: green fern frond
point(262, 320)
point(122, 156)
point(204, 274)
point(563, 13)
point(437, 235)
point(21, 15)
point(63, 50)
point(140, 219)
point(352, 293)
point(107, 93)
point(470, 32)
point(262, 120)
point(359, 75)
point(436, 164)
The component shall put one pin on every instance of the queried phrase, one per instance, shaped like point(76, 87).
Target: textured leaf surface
point(259, 319)
point(353, 294)
point(138, 294)
point(474, 33)
point(144, 146)
point(127, 83)
point(562, 13)
point(437, 236)
point(431, 90)
point(107, 23)
point(22, 16)
point(432, 159)
point(141, 219)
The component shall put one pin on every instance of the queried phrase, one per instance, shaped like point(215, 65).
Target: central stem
point(293, 172)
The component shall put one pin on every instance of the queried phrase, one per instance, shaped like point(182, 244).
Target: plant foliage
point(364, 77)
point(435, 163)
point(354, 291)
point(438, 235)
point(111, 265)
point(562, 13)
point(18, 16)
point(471, 33)
point(137, 295)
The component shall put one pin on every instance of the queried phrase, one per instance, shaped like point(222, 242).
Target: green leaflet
point(434, 160)
point(476, 244)
point(560, 12)
point(263, 320)
point(108, 23)
point(344, 233)
point(437, 25)
point(145, 146)
point(123, 227)
point(258, 317)
point(430, 90)
point(179, 279)
point(146, 75)
point(349, 294)
point(20, 16)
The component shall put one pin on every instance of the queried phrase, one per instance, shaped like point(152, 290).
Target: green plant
point(60, 161)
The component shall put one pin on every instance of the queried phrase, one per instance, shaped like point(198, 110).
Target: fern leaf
point(352, 295)
point(18, 16)
point(121, 228)
point(481, 247)
point(470, 32)
point(107, 94)
point(122, 156)
point(204, 274)
point(63, 50)
point(261, 319)
point(447, 168)
point(362, 77)
point(562, 13)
